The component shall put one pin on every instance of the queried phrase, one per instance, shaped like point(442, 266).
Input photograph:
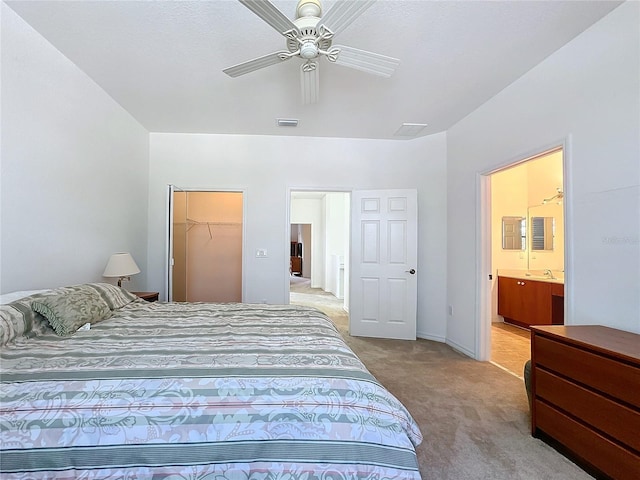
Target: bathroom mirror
point(542, 233)
point(513, 233)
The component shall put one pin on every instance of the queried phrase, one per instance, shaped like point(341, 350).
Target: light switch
point(261, 253)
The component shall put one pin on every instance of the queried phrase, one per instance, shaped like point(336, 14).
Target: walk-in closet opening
point(206, 237)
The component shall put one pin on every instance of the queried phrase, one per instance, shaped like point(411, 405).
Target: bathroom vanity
point(526, 299)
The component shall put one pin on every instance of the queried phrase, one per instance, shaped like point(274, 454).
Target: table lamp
point(121, 265)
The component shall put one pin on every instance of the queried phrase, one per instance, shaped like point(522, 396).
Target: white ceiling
point(162, 61)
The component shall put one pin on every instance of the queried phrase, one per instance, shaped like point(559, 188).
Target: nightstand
point(148, 296)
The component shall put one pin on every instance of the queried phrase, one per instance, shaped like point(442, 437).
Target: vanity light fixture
point(559, 196)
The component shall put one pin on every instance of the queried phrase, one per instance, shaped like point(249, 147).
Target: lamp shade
point(121, 265)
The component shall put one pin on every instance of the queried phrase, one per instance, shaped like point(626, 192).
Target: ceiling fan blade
point(366, 61)
point(268, 12)
point(310, 82)
point(343, 13)
point(257, 64)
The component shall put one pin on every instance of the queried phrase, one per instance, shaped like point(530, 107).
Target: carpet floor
point(474, 416)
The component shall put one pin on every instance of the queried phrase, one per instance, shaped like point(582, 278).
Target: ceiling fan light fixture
point(309, 50)
point(410, 129)
point(287, 122)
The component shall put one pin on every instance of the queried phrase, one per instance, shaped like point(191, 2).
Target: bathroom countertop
point(537, 275)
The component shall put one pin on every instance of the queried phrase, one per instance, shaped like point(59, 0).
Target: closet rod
point(196, 222)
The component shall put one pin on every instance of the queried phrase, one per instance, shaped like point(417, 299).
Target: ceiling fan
point(310, 37)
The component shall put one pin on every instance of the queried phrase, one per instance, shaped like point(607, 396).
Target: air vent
point(410, 129)
point(287, 122)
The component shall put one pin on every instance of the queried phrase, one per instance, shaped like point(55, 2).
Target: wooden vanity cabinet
point(528, 302)
point(585, 383)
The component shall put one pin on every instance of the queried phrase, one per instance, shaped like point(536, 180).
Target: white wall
point(74, 169)
point(588, 92)
point(261, 165)
point(336, 228)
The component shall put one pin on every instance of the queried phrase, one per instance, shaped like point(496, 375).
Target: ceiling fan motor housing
point(308, 35)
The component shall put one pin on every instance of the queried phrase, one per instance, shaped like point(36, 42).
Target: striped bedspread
point(206, 391)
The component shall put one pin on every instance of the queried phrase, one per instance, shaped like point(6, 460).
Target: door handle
point(412, 271)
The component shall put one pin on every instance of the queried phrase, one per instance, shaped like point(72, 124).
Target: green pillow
point(116, 297)
point(69, 310)
point(17, 320)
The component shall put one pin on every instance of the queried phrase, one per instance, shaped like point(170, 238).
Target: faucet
point(548, 273)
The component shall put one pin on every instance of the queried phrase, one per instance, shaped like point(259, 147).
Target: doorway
point(521, 196)
point(205, 245)
point(379, 261)
point(319, 250)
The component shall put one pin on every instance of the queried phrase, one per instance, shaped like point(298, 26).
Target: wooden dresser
point(586, 396)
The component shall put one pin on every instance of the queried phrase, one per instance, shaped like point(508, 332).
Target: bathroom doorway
point(522, 198)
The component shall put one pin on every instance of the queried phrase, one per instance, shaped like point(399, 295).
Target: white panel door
point(384, 256)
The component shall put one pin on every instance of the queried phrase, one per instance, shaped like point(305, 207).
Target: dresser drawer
point(608, 457)
point(600, 412)
point(609, 376)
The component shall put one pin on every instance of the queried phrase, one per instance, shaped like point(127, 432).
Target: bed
point(189, 390)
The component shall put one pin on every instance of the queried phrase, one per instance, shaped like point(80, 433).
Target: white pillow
point(13, 296)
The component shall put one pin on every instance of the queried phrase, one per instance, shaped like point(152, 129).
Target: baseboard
point(461, 349)
point(435, 338)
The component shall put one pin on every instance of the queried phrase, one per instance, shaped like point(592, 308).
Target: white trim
point(483, 236)
point(567, 205)
point(169, 244)
point(286, 291)
point(434, 338)
point(459, 348)
point(483, 267)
